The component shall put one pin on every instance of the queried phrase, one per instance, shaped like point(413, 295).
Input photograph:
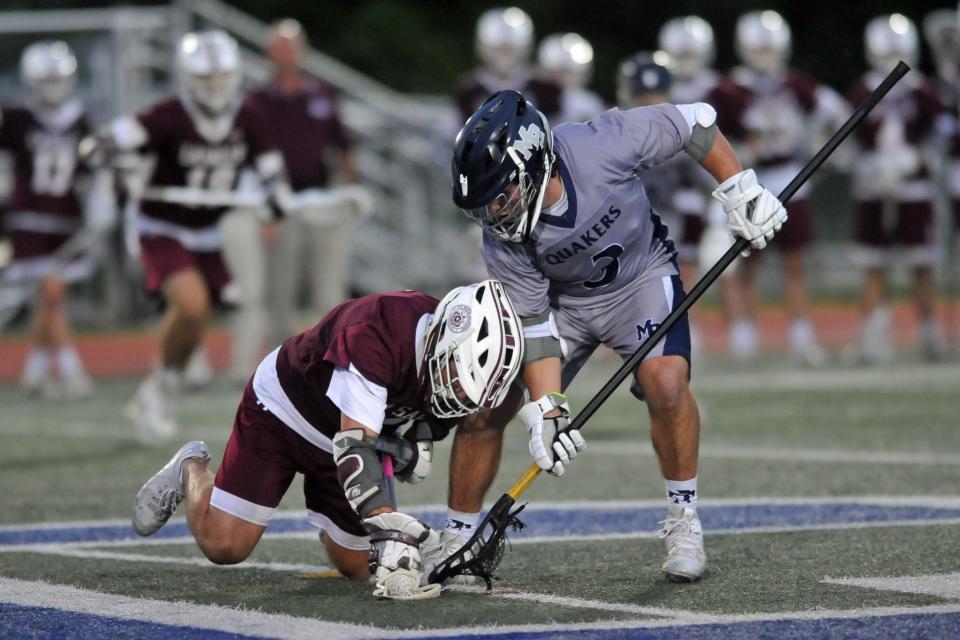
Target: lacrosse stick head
point(482, 553)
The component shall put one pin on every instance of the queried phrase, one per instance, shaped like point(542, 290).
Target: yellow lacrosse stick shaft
point(525, 481)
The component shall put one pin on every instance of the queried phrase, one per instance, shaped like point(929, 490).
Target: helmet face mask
point(502, 162)
point(474, 350)
point(49, 70)
point(209, 66)
point(888, 39)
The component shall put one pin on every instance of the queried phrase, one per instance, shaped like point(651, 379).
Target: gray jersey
point(605, 238)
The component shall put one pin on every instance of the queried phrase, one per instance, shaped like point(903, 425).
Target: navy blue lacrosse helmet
point(502, 161)
point(639, 74)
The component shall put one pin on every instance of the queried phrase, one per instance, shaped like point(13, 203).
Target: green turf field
point(831, 508)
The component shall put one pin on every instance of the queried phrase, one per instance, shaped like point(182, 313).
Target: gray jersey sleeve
point(512, 265)
point(625, 141)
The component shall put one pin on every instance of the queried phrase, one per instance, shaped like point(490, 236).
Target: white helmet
point(49, 69)
point(474, 349)
point(942, 31)
point(763, 41)
point(567, 57)
point(888, 39)
point(688, 40)
point(504, 39)
point(209, 66)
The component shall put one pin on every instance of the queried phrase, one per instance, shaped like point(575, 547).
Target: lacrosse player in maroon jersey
point(197, 143)
point(503, 43)
point(892, 186)
point(46, 211)
point(329, 403)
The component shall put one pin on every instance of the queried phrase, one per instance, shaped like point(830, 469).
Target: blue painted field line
point(555, 521)
point(42, 622)
point(893, 627)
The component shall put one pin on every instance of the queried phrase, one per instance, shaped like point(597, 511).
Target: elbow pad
point(702, 119)
point(542, 338)
point(360, 472)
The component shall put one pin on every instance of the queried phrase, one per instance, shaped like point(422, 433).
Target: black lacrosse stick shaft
point(711, 276)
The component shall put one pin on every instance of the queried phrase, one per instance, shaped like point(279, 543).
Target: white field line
point(697, 619)
point(239, 621)
point(38, 594)
point(926, 377)
point(73, 552)
point(789, 454)
point(944, 585)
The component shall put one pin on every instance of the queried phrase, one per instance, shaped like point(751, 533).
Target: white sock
point(170, 379)
point(460, 523)
point(37, 364)
point(68, 362)
point(801, 334)
point(682, 493)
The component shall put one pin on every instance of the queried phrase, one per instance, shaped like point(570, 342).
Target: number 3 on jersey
point(610, 269)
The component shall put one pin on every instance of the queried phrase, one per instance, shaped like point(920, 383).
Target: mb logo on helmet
point(530, 138)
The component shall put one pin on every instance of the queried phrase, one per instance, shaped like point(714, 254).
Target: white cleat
point(682, 538)
point(198, 373)
point(150, 412)
point(160, 496)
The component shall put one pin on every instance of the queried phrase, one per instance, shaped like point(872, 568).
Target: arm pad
point(542, 338)
point(359, 472)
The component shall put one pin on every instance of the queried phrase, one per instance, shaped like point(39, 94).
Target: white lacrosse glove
point(753, 213)
point(552, 442)
point(417, 460)
point(395, 562)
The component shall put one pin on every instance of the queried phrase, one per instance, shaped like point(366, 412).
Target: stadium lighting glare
point(516, 18)
point(771, 20)
point(661, 57)
point(899, 23)
point(580, 51)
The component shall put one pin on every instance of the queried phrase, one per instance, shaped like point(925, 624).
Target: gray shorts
point(623, 325)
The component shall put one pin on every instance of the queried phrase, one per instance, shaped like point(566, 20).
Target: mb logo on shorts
point(646, 329)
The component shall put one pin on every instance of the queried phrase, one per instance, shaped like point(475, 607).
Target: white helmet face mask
point(209, 65)
point(941, 28)
point(689, 43)
point(474, 350)
point(763, 41)
point(49, 69)
point(566, 57)
point(889, 39)
point(504, 40)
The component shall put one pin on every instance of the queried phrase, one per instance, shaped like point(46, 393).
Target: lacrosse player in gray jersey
point(585, 259)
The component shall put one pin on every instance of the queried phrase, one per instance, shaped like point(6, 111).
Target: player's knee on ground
point(665, 382)
point(225, 551)
point(353, 564)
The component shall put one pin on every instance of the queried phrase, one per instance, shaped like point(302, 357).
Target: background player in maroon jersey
point(328, 403)
point(504, 42)
point(198, 142)
point(770, 109)
point(303, 116)
point(892, 186)
point(45, 210)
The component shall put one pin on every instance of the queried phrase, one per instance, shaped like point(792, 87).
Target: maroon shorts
point(797, 233)
point(163, 256)
point(34, 258)
point(909, 224)
point(261, 459)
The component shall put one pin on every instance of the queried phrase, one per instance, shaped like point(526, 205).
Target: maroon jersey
point(185, 157)
point(913, 102)
point(306, 124)
point(376, 335)
point(43, 144)
point(475, 89)
point(767, 112)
